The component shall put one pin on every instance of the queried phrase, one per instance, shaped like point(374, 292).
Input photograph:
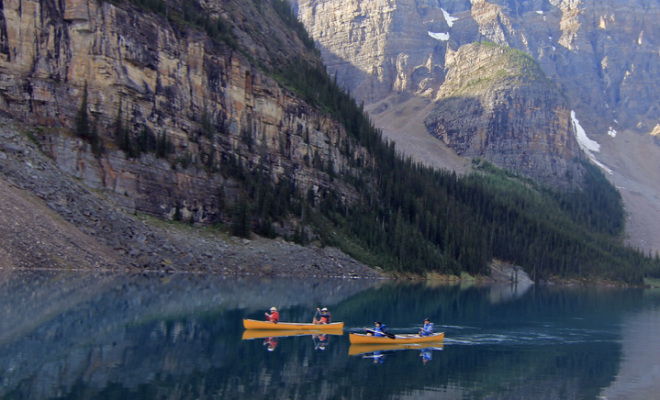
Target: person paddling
point(427, 329)
point(274, 316)
point(324, 317)
point(379, 330)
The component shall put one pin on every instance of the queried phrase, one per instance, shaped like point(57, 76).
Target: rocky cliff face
point(603, 54)
point(149, 74)
point(379, 46)
point(418, 48)
point(496, 103)
point(602, 59)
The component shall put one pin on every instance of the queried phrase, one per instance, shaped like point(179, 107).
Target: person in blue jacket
point(427, 329)
point(379, 330)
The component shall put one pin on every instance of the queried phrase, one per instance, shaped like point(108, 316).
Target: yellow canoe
point(360, 338)
point(265, 333)
point(356, 349)
point(254, 324)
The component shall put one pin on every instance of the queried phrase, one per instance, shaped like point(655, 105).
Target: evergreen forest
point(413, 220)
point(416, 220)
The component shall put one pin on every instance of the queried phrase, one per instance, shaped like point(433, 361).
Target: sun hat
point(273, 309)
point(324, 309)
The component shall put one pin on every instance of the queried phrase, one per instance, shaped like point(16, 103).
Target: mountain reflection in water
point(639, 375)
point(76, 336)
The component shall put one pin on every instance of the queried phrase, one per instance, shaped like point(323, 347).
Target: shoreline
point(51, 221)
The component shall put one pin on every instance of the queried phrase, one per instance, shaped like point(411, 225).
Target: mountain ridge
point(602, 56)
point(189, 122)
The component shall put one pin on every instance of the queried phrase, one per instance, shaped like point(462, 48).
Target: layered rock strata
point(603, 56)
point(159, 78)
point(497, 104)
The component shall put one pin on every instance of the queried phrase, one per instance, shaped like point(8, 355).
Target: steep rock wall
point(605, 55)
point(159, 78)
point(377, 48)
point(497, 104)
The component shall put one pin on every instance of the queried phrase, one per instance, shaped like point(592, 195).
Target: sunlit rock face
point(603, 57)
point(376, 47)
point(497, 104)
point(604, 54)
point(215, 104)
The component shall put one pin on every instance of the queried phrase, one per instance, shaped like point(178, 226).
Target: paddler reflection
point(321, 341)
point(426, 354)
point(271, 342)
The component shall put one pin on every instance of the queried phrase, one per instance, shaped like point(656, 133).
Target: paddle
point(315, 315)
point(389, 335)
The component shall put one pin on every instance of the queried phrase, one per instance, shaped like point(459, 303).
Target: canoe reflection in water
point(321, 339)
point(379, 352)
point(249, 334)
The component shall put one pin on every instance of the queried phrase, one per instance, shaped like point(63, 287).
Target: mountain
point(222, 115)
point(163, 84)
point(417, 67)
point(164, 109)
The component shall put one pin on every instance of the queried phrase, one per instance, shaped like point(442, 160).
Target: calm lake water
point(84, 336)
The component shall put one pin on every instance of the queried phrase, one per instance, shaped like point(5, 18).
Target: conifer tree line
point(413, 219)
point(420, 219)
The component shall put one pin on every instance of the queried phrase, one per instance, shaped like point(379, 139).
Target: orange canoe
point(254, 324)
point(360, 338)
point(357, 349)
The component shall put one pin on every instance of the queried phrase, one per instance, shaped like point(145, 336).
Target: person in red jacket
point(274, 316)
point(324, 316)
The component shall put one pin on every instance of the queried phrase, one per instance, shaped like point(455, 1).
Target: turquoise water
point(79, 336)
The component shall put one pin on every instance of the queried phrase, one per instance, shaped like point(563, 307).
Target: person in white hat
point(274, 316)
point(324, 316)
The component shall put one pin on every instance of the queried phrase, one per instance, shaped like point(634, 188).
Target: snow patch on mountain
point(612, 132)
point(439, 35)
point(656, 130)
point(584, 141)
point(587, 145)
point(444, 36)
point(450, 20)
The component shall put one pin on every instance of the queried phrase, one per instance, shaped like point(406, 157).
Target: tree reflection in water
point(81, 336)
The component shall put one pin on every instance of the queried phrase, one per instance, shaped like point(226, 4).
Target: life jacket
point(428, 329)
point(325, 318)
point(274, 317)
